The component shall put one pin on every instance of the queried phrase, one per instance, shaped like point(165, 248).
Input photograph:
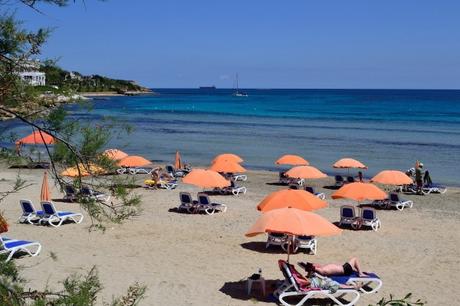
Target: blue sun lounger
point(29, 214)
point(56, 218)
point(11, 246)
point(370, 283)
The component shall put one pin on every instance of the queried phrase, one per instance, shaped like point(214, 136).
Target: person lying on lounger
point(347, 268)
point(322, 282)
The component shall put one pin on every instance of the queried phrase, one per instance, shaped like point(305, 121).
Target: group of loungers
point(367, 217)
point(47, 216)
point(294, 291)
point(202, 205)
point(308, 243)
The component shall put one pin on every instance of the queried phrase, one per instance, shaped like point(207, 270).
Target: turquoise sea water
point(385, 129)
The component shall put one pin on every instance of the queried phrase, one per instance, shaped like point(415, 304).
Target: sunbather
point(347, 268)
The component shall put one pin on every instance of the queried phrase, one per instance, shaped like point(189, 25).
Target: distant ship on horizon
point(208, 87)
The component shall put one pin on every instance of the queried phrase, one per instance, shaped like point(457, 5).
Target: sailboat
point(237, 92)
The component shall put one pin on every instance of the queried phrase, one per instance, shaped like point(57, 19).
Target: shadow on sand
point(238, 290)
point(259, 246)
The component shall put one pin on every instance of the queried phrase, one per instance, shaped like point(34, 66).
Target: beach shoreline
point(413, 247)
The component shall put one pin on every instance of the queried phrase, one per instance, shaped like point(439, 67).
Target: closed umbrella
point(178, 162)
point(299, 199)
point(45, 194)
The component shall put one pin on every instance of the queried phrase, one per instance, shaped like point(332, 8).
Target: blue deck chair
point(369, 218)
point(11, 246)
point(311, 190)
point(56, 218)
point(29, 214)
point(399, 203)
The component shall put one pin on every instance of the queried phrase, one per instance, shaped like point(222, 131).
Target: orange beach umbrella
point(134, 161)
point(178, 161)
point(226, 166)
point(205, 179)
point(299, 199)
point(229, 157)
point(293, 221)
point(349, 163)
point(37, 137)
point(115, 154)
point(85, 170)
point(360, 192)
point(45, 194)
point(305, 172)
point(293, 160)
point(392, 177)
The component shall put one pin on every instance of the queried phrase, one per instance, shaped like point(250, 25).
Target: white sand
point(200, 260)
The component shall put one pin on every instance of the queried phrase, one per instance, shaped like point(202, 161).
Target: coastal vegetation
point(75, 145)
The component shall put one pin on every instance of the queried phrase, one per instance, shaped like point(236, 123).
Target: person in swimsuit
point(347, 268)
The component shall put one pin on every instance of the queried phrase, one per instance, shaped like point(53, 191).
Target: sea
point(384, 129)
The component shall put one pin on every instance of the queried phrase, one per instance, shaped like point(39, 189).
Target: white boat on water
point(237, 92)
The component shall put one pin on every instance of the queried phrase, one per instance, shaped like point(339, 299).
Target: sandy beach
point(203, 260)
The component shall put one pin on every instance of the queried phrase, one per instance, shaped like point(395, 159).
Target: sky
point(270, 44)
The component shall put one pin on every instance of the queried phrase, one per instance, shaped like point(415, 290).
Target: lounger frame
point(23, 246)
point(56, 218)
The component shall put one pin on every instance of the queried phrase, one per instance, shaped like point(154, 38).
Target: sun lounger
point(233, 189)
point(339, 181)
point(306, 242)
point(56, 218)
point(370, 283)
point(240, 177)
point(320, 195)
point(168, 185)
point(205, 204)
point(292, 287)
point(123, 170)
point(350, 179)
point(140, 170)
point(369, 218)
point(399, 203)
point(11, 246)
point(174, 172)
point(187, 203)
point(29, 214)
point(433, 188)
point(70, 193)
point(277, 239)
point(91, 194)
point(348, 216)
point(289, 180)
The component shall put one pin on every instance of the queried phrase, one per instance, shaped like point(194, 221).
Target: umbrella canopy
point(178, 161)
point(299, 199)
point(226, 166)
point(115, 154)
point(305, 172)
point(293, 160)
point(229, 157)
point(37, 137)
point(360, 192)
point(349, 163)
point(84, 171)
point(205, 179)
point(392, 177)
point(45, 194)
point(134, 161)
point(293, 221)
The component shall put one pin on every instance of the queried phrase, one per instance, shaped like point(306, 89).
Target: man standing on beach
point(419, 177)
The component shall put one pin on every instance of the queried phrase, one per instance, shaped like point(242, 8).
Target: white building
point(34, 78)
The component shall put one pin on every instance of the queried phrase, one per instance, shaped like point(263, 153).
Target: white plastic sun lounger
point(276, 239)
point(348, 216)
point(11, 246)
point(369, 218)
point(306, 242)
point(187, 203)
point(311, 190)
point(29, 214)
point(56, 218)
point(205, 204)
point(291, 289)
point(400, 204)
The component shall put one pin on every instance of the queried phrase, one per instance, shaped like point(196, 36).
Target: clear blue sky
point(272, 44)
